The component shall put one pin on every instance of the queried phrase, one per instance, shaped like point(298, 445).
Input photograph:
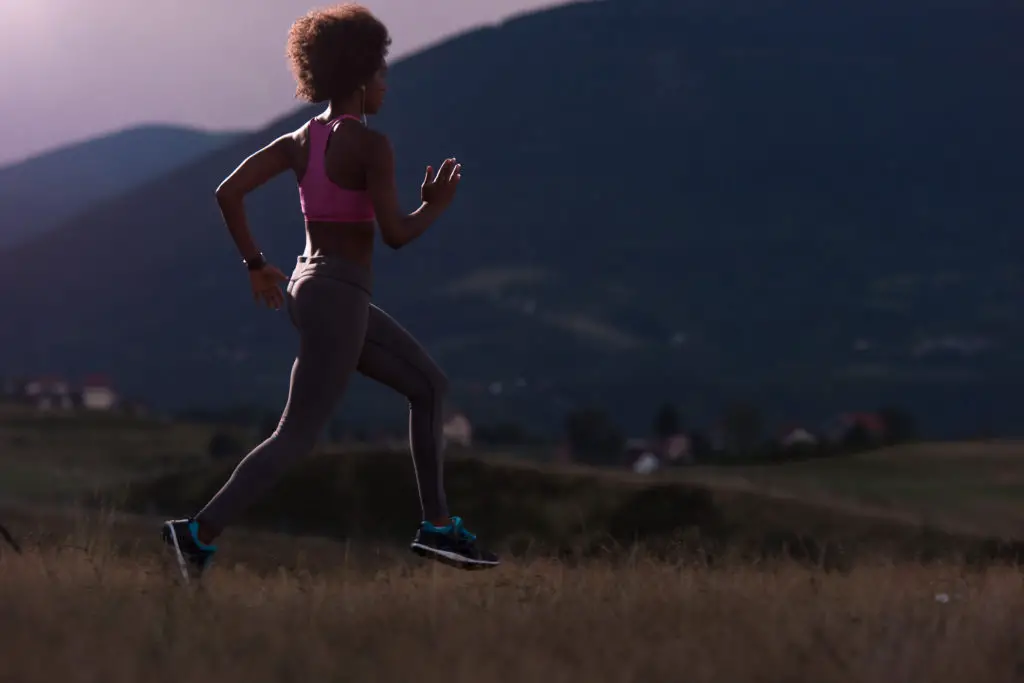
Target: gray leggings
point(340, 331)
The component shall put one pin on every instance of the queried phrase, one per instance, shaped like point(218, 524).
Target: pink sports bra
point(321, 198)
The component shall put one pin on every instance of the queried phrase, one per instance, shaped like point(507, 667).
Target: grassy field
point(814, 508)
point(968, 487)
point(90, 598)
point(960, 483)
point(84, 608)
point(58, 459)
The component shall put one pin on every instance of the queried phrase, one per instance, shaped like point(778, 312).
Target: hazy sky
point(70, 69)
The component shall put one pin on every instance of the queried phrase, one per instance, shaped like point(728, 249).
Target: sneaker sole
point(170, 535)
point(451, 559)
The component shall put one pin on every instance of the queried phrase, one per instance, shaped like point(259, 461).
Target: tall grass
point(82, 610)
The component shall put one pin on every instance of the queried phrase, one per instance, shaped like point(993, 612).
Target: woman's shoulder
point(300, 134)
point(375, 143)
point(373, 135)
point(296, 142)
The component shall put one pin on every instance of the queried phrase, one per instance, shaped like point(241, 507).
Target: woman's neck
point(350, 106)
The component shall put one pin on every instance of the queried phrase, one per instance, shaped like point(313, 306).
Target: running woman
point(346, 178)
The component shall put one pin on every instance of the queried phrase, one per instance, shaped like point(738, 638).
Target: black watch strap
point(256, 262)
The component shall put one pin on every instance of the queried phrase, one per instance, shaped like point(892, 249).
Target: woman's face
point(375, 90)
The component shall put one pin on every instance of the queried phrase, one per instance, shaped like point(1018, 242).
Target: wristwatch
point(256, 262)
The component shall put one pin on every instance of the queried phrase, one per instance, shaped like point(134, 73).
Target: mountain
point(814, 206)
point(46, 190)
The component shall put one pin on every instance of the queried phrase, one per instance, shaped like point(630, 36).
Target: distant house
point(796, 437)
point(677, 450)
point(97, 393)
point(647, 463)
point(641, 456)
point(458, 430)
point(645, 456)
point(47, 393)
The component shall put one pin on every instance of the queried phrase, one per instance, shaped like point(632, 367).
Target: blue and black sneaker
point(193, 556)
point(452, 545)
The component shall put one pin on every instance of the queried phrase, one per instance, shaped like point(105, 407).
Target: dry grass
point(91, 614)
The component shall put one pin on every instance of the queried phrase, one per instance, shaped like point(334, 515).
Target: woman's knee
point(433, 387)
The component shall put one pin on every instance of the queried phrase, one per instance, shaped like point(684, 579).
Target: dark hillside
point(816, 204)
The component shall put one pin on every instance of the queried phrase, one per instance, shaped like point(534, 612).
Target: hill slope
point(810, 205)
point(46, 190)
point(360, 495)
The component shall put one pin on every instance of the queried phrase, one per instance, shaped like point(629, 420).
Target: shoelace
point(460, 531)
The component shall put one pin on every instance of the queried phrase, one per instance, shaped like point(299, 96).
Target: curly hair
point(334, 50)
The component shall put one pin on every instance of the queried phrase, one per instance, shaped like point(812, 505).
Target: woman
point(346, 182)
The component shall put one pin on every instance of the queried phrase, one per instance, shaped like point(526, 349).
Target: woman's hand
point(439, 190)
point(266, 285)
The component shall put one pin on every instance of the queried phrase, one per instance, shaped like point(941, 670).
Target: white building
point(677, 449)
point(799, 437)
point(98, 394)
point(48, 393)
point(458, 430)
point(647, 463)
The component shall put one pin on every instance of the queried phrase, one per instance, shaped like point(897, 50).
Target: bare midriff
point(349, 241)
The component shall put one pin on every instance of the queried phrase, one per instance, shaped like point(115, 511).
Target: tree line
point(592, 436)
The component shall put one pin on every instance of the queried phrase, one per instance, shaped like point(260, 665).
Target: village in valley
point(54, 394)
point(844, 431)
point(670, 446)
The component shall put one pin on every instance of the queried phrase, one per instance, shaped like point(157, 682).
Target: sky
point(74, 69)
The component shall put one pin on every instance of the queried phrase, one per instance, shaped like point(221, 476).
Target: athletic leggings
point(340, 332)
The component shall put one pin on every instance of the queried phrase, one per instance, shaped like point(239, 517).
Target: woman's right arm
point(256, 170)
point(398, 229)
